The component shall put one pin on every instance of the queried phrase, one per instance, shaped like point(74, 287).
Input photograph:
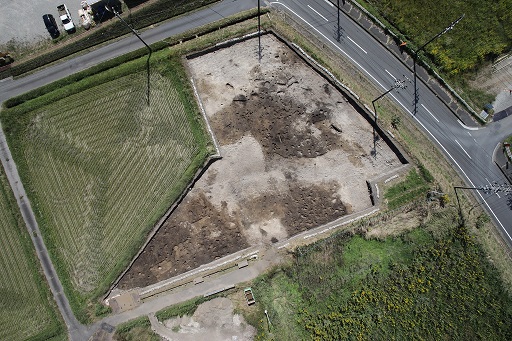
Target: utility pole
point(415, 57)
point(491, 188)
point(113, 10)
point(399, 84)
point(338, 10)
point(259, 33)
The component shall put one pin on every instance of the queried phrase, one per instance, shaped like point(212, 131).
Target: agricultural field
point(432, 282)
point(101, 167)
point(27, 310)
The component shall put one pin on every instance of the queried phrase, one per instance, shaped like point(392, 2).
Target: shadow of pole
point(113, 10)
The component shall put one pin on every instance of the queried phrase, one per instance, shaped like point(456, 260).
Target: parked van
point(51, 25)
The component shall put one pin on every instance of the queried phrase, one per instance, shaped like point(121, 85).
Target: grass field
point(101, 167)
point(431, 283)
point(26, 307)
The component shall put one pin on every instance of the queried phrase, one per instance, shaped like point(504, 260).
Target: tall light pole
point(113, 10)
point(415, 57)
point(338, 10)
point(259, 33)
point(399, 84)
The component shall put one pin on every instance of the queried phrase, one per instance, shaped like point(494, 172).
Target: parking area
point(22, 22)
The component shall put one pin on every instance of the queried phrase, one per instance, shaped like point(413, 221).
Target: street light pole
point(399, 84)
point(338, 10)
point(259, 33)
point(113, 10)
point(415, 57)
point(494, 188)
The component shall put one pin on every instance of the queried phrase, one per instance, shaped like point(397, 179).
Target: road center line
point(389, 73)
point(424, 107)
point(358, 46)
point(463, 149)
point(311, 8)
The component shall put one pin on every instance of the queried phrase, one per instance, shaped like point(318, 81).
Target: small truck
point(249, 297)
point(65, 17)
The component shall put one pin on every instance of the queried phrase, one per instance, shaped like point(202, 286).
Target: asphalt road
point(469, 150)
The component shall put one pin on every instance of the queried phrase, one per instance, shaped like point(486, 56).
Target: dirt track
point(295, 153)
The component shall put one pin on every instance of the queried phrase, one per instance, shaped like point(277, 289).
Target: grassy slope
point(484, 32)
point(101, 169)
point(27, 310)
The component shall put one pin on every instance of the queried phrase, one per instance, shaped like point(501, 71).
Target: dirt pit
point(296, 155)
point(213, 320)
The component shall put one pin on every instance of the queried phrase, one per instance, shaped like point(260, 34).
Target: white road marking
point(463, 149)
point(330, 3)
point(424, 107)
point(407, 110)
point(389, 73)
point(465, 126)
point(469, 133)
point(311, 8)
point(357, 45)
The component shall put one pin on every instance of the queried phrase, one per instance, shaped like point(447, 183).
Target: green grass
point(485, 31)
point(419, 285)
point(27, 310)
point(136, 330)
point(100, 167)
point(186, 308)
point(414, 186)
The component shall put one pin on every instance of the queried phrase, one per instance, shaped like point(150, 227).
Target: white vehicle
point(65, 17)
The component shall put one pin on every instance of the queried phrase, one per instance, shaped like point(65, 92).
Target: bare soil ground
point(296, 155)
point(213, 320)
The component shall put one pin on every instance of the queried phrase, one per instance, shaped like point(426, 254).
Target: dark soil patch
point(197, 233)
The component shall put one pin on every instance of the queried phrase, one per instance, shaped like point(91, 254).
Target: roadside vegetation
point(413, 187)
point(481, 37)
point(433, 282)
point(136, 330)
point(27, 309)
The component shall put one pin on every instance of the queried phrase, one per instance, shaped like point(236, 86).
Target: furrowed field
point(26, 307)
point(101, 167)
